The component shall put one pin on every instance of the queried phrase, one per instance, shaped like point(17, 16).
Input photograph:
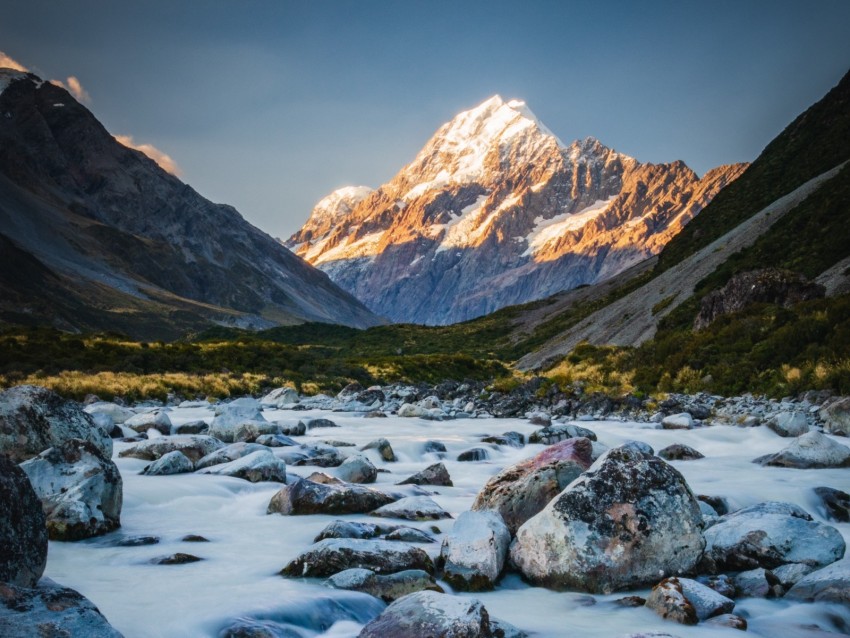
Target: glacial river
point(238, 576)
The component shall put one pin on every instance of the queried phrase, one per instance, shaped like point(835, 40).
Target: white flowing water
point(238, 576)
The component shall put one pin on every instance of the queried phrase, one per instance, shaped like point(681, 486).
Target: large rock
point(307, 497)
point(836, 416)
point(194, 446)
point(435, 474)
point(523, 490)
point(383, 447)
point(318, 454)
point(153, 420)
point(257, 466)
point(387, 587)
point(769, 535)
point(560, 432)
point(680, 452)
point(681, 421)
point(49, 610)
point(809, 451)
point(239, 421)
point(427, 613)
point(357, 469)
point(333, 555)
point(23, 531)
point(280, 397)
point(836, 503)
point(686, 601)
point(118, 413)
point(830, 584)
point(627, 520)
point(413, 508)
point(33, 419)
point(172, 463)
point(789, 424)
point(227, 453)
point(473, 553)
point(80, 491)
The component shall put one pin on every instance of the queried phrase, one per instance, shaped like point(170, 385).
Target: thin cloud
point(9, 63)
point(165, 162)
point(73, 86)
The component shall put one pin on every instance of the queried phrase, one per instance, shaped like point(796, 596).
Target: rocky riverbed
point(310, 516)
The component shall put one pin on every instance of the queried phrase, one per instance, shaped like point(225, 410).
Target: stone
point(681, 421)
point(383, 447)
point(409, 410)
point(192, 427)
point(512, 439)
point(333, 555)
point(435, 474)
point(318, 454)
point(227, 453)
point(627, 519)
point(23, 530)
point(413, 508)
point(429, 613)
point(721, 583)
point(757, 583)
point(540, 418)
point(789, 424)
point(33, 419)
point(176, 559)
point(118, 413)
point(668, 601)
point(155, 420)
point(280, 397)
point(836, 416)
point(357, 469)
point(811, 450)
point(473, 553)
point(194, 446)
point(679, 452)
point(728, 620)
point(560, 432)
point(409, 535)
point(789, 574)
point(325, 479)
point(351, 529)
point(275, 440)
point(523, 490)
point(830, 584)
point(307, 497)
point(248, 431)
point(172, 463)
point(836, 503)
point(137, 541)
point(226, 425)
point(292, 429)
point(194, 538)
point(769, 535)
point(250, 628)
point(434, 447)
point(49, 610)
point(80, 491)
point(474, 454)
point(631, 601)
point(387, 587)
point(312, 424)
point(257, 466)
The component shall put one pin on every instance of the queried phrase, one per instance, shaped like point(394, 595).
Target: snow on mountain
point(496, 210)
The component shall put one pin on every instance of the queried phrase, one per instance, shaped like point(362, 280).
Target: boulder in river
point(194, 446)
point(33, 419)
point(23, 531)
point(473, 553)
point(257, 466)
point(307, 497)
point(280, 397)
point(680, 452)
point(383, 447)
point(769, 535)
point(809, 451)
point(686, 601)
point(357, 469)
point(154, 420)
point(80, 490)
point(50, 610)
point(413, 508)
point(836, 502)
point(830, 584)
point(387, 587)
point(836, 416)
point(435, 474)
point(789, 424)
point(227, 453)
point(172, 463)
point(333, 555)
point(630, 518)
point(560, 432)
point(118, 413)
point(523, 490)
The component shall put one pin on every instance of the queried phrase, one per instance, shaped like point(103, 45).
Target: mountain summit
point(495, 210)
point(95, 235)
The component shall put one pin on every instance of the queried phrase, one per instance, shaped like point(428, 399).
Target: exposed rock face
point(811, 450)
point(33, 419)
point(280, 397)
point(307, 497)
point(194, 446)
point(769, 535)
point(80, 490)
point(49, 609)
point(430, 613)
point(388, 587)
point(494, 211)
point(830, 584)
point(522, 490)
point(473, 553)
point(770, 285)
point(789, 424)
point(23, 531)
point(333, 555)
point(836, 416)
point(118, 413)
point(97, 224)
point(626, 520)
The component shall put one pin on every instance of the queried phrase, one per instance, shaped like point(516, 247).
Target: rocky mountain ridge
point(496, 210)
point(97, 236)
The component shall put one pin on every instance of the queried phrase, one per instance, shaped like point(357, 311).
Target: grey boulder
point(194, 446)
point(473, 553)
point(830, 584)
point(333, 555)
point(413, 508)
point(308, 497)
point(168, 464)
point(435, 474)
point(560, 432)
point(154, 420)
point(23, 531)
point(836, 416)
point(227, 453)
point(387, 587)
point(257, 466)
point(686, 601)
point(810, 451)
point(789, 424)
point(357, 469)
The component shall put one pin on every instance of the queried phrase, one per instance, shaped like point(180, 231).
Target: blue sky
point(268, 106)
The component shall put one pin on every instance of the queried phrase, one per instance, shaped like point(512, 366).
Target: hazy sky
point(269, 106)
